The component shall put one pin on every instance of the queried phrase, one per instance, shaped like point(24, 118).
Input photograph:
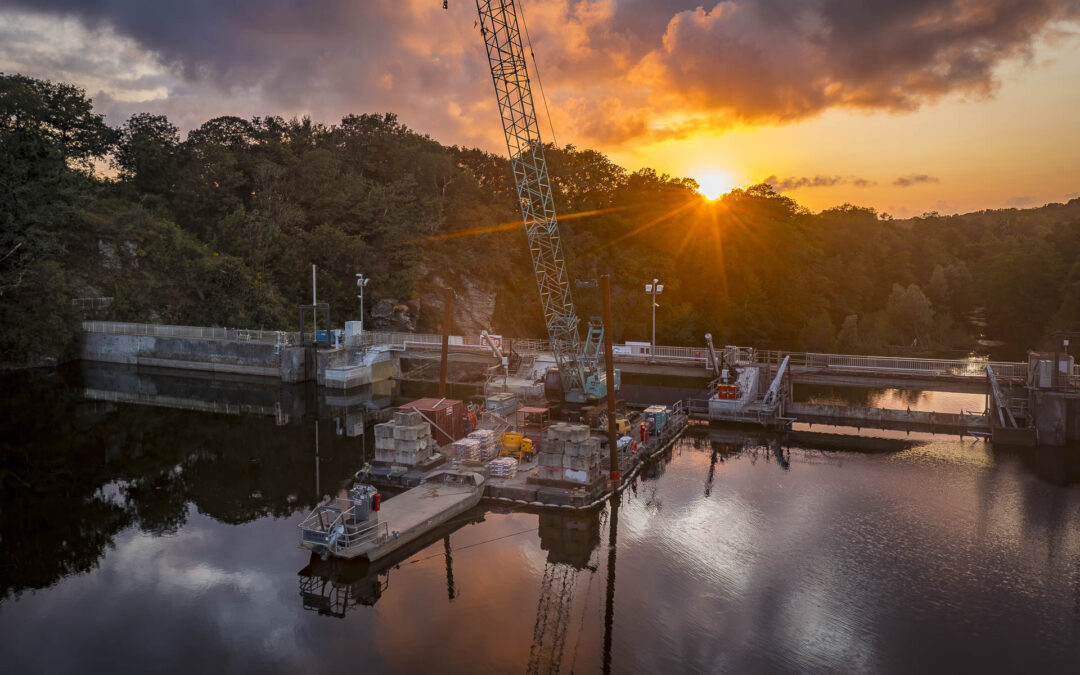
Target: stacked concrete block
point(569, 454)
point(405, 439)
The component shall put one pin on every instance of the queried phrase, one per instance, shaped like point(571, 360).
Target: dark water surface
point(142, 538)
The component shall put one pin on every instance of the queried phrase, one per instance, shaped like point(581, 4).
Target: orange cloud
point(617, 71)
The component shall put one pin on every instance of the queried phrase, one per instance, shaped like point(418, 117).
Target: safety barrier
point(192, 332)
point(972, 367)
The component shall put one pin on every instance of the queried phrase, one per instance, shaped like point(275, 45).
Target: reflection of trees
point(75, 473)
point(865, 397)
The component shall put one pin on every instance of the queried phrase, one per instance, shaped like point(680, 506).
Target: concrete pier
point(235, 352)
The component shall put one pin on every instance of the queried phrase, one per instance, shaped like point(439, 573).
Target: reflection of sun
point(713, 184)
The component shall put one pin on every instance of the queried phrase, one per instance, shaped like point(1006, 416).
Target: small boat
point(360, 525)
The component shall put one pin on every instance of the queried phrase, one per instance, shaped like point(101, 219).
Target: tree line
point(220, 228)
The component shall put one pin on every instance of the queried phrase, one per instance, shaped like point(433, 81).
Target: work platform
point(524, 489)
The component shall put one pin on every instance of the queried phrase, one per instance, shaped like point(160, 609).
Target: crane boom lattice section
point(506, 56)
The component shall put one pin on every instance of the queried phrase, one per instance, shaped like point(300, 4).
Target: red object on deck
point(376, 501)
point(447, 415)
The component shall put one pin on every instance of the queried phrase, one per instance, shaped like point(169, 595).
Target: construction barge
point(359, 525)
point(532, 461)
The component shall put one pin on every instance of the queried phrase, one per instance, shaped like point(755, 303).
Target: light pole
point(654, 289)
point(361, 281)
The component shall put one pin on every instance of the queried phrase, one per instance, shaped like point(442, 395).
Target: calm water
point(138, 538)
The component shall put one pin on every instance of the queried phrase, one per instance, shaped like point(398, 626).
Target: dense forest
point(221, 228)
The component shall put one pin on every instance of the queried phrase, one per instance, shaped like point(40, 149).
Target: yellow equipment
point(515, 444)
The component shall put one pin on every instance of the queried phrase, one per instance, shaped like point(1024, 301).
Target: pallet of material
point(503, 467)
point(465, 449)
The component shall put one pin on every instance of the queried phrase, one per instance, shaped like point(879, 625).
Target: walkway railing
point(192, 332)
point(956, 367)
point(974, 367)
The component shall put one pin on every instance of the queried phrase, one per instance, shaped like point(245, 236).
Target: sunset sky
point(904, 105)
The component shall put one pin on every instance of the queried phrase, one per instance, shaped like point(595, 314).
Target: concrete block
point(577, 463)
point(412, 432)
point(552, 446)
point(385, 444)
point(582, 477)
point(384, 430)
point(549, 473)
point(402, 445)
point(590, 446)
point(382, 455)
point(407, 417)
point(577, 433)
point(412, 457)
point(558, 432)
point(547, 459)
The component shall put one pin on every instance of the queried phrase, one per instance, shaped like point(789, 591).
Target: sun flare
point(714, 184)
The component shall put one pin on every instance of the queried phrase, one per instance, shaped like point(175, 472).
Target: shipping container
point(446, 414)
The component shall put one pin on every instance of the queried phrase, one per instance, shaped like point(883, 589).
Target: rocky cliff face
point(472, 311)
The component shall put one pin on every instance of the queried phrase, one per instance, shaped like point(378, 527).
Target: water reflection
point(332, 587)
point(175, 530)
point(570, 540)
point(77, 472)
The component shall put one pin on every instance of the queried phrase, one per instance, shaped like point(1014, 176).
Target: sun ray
point(504, 227)
point(641, 228)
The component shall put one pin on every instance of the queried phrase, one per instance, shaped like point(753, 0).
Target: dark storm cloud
point(327, 57)
point(616, 70)
point(767, 59)
point(915, 179)
point(796, 182)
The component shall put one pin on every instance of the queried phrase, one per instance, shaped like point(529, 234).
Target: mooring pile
point(405, 439)
point(570, 454)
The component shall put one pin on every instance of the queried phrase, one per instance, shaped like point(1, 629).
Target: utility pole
point(314, 312)
point(361, 281)
point(654, 289)
point(448, 298)
point(609, 366)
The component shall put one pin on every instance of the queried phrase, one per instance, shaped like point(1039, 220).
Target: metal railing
point(972, 367)
point(191, 332)
point(91, 303)
point(337, 526)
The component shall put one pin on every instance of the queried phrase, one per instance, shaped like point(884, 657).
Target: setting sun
point(713, 184)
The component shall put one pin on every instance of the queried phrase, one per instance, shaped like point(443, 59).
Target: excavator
point(577, 377)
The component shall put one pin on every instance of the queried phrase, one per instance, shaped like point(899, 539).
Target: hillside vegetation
point(221, 228)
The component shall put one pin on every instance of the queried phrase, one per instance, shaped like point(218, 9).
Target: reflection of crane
point(712, 471)
point(552, 617)
point(571, 541)
point(579, 375)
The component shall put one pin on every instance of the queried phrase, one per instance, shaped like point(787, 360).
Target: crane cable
point(543, 96)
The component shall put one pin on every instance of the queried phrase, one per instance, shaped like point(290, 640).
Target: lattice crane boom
point(506, 56)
